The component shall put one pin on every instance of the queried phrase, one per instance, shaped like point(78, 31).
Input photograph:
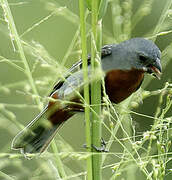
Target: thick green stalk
point(15, 36)
point(86, 87)
point(96, 91)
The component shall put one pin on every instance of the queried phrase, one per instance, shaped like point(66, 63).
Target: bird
point(124, 66)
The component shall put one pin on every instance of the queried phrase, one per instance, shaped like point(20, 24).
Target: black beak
point(156, 68)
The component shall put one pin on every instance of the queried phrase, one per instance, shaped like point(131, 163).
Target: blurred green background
point(49, 27)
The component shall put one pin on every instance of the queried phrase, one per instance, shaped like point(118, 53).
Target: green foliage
point(39, 42)
point(102, 7)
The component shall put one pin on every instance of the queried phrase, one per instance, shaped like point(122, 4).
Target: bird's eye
point(142, 58)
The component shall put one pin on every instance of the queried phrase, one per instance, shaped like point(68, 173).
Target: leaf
point(102, 7)
point(88, 2)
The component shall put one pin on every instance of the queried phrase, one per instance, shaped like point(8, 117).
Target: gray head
point(142, 54)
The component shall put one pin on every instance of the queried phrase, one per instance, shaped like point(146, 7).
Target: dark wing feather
point(105, 51)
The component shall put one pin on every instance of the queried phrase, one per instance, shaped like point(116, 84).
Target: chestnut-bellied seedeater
point(124, 66)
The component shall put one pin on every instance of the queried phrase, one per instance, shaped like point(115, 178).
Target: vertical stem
point(162, 18)
point(14, 34)
point(96, 90)
point(58, 161)
point(86, 86)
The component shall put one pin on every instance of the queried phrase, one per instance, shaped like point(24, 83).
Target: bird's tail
point(38, 134)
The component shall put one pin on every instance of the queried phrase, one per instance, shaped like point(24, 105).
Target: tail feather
point(36, 137)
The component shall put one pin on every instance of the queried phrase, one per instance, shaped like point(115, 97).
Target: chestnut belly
point(120, 84)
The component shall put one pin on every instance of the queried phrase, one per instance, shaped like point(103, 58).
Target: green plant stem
point(58, 161)
point(5, 176)
point(96, 90)
point(162, 19)
point(14, 34)
point(86, 86)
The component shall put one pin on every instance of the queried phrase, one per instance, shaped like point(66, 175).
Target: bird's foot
point(98, 149)
point(102, 148)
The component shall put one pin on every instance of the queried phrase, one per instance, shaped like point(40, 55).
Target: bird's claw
point(98, 149)
point(102, 148)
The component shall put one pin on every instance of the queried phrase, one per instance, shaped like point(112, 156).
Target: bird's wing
point(38, 134)
point(105, 51)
